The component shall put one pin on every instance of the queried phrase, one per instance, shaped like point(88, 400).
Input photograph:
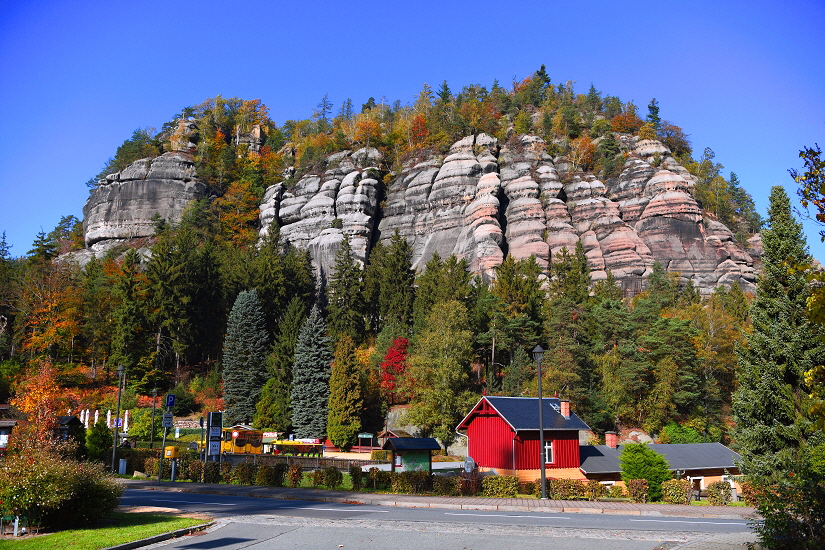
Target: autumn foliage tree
point(392, 367)
point(40, 397)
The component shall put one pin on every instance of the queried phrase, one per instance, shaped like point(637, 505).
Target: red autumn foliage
point(394, 365)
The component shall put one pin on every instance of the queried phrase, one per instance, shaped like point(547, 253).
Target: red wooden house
point(503, 435)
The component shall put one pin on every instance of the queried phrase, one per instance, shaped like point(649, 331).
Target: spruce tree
point(345, 296)
point(274, 409)
point(771, 404)
point(345, 401)
point(244, 357)
point(310, 378)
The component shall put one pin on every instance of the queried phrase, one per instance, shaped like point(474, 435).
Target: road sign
point(119, 422)
point(214, 431)
point(168, 420)
point(170, 399)
point(214, 448)
point(235, 434)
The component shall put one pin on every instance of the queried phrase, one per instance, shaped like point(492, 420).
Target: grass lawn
point(119, 528)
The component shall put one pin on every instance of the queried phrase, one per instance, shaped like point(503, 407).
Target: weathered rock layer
point(480, 201)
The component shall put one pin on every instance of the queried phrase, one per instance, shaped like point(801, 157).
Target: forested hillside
point(206, 307)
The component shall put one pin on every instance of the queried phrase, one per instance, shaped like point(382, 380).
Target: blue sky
point(76, 78)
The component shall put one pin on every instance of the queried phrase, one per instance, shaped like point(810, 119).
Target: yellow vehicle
point(299, 447)
point(242, 440)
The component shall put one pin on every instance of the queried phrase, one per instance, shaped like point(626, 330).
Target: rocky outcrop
point(319, 210)
point(123, 205)
point(481, 201)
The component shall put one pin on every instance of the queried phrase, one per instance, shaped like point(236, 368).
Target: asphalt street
point(245, 522)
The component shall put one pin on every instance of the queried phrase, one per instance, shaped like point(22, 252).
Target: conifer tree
point(345, 401)
point(129, 342)
point(244, 357)
point(345, 296)
point(771, 404)
point(310, 378)
point(274, 409)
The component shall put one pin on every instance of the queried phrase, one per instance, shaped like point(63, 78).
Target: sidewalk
point(455, 503)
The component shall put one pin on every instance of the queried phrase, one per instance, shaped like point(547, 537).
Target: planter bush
point(637, 489)
point(294, 475)
point(719, 493)
point(379, 479)
point(211, 472)
point(562, 489)
point(196, 470)
point(333, 478)
point(676, 491)
point(500, 486)
point(226, 472)
point(616, 491)
point(243, 474)
point(357, 477)
point(446, 485)
point(593, 490)
point(316, 477)
point(380, 455)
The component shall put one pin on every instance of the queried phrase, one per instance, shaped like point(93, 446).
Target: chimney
point(610, 439)
point(565, 408)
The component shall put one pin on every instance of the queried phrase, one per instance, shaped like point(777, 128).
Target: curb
point(160, 538)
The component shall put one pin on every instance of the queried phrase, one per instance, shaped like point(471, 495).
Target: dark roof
point(412, 444)
point(522, 413)
point(8, 423)
point(66, 420)
point(601, 459)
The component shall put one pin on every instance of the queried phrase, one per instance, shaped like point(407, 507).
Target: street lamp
point(538, 353)
point(120, 371)
point(152, 430)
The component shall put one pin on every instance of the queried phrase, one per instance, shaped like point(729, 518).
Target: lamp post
point(120, 370)
point(538, 353)
point(152, 429)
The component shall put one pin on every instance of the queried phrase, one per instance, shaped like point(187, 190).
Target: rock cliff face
point(123, 205)
point(484, 200)
point(480, 201)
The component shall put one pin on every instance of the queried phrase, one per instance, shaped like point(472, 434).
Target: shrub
point(500, 486)
point(333, 477)
point(719, 493)
point(55, 491)
point(380, 455)
point(593, 490)
point(562, 489)
point(357, 477)
point(211, 472)
point(379, 478)
point(446, 485)
point(226, 472)
point(470, 483)
point(616, 491)
point(316, 477)
point(99, 441)
point(150, 467)
point(792, 508)
point(243, 474)
point(419, 480)
point(196, 470)
point(637, 489)
point(294, 475)
point(528, 488)
point(676, 491)
point(640, 462)
point(279, 473)
point(399, 483)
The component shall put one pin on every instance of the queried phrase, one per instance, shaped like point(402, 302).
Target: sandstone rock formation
point(123, 205)
point(482, 201)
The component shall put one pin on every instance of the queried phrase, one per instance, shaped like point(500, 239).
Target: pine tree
point(310, 378)
point(771, 404)
point(397, 282)
point(244, 357)
point(345, 296)
point(129, 336)
point(345, 401)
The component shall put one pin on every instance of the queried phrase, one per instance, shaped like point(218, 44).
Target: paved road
point(274, 523)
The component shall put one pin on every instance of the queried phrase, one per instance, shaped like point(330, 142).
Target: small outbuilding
point(69, 427)
point(412, 453)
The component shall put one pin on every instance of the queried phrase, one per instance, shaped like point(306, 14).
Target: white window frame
point(548, 452)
